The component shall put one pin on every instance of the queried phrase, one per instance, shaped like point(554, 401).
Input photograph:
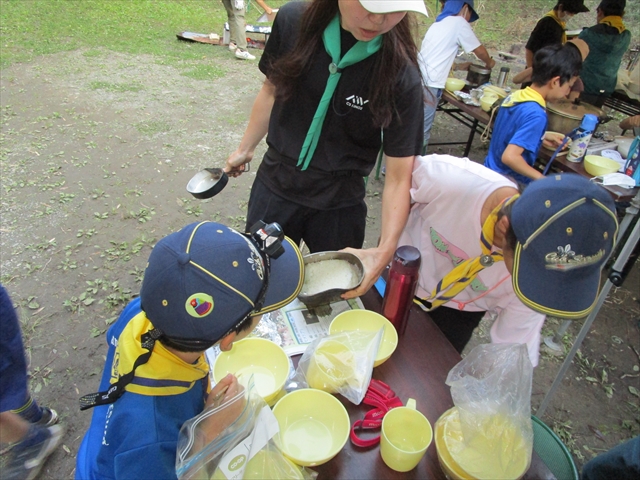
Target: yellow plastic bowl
point(596, 165)
point(449, 431)
point(266, 361)
point(314, 426)
point(497, 90)
point(366, 320)
point(487, 100)
point(453, 84)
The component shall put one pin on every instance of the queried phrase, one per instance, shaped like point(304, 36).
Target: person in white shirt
point(486, 248)
point(451, 30)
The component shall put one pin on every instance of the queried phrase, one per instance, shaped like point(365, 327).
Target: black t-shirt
point(546, 32)
point(349, 142)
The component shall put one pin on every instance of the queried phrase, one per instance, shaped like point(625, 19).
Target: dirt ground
point(96, 150)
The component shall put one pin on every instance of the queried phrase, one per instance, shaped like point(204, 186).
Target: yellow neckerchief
point(527, 94)
point(163, 374)
point(462, 275)
point(563, 24)
point(615, 22)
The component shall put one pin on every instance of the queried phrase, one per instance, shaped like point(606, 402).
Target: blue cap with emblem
point(566, 228)
point(204, 280)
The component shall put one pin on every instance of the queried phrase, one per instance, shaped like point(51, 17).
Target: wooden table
point(561, 164)
point(474, 118)
point(417, 369)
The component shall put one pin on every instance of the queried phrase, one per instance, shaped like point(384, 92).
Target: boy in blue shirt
point(204, 285)
point(522, 117)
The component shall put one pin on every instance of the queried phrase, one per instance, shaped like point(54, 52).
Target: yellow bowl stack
point(501, 454)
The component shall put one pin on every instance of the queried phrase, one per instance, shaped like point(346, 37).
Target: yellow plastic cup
point(331, 366)
point(406, 435)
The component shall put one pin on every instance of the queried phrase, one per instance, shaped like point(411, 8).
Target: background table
point(561, 163)
point(474, 118)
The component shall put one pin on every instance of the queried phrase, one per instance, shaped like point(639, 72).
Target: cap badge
point(566, 259)
point(199, 305)
point(256, 263)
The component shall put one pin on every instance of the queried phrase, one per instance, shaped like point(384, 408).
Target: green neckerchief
point(357, 53)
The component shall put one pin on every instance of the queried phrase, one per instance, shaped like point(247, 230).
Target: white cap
point(389, 6)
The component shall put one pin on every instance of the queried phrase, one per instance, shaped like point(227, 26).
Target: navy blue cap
point(453, 7)
point(566, 228)
point(203, 280)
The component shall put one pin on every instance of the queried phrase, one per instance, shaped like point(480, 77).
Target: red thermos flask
point(401, 286)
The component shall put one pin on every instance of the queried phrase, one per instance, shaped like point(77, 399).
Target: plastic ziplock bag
point(491, 388)
point(234, 440)
point(340, 363)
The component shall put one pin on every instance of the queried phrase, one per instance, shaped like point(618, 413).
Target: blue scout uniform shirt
point(523, 125)
point(135, 437)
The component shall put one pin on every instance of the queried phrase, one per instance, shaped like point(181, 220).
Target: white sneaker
point(244, 55)
point(233, 46)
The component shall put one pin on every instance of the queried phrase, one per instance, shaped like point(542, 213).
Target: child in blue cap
point(204, 285)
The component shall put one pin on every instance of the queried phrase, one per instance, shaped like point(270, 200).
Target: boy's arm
point(265, 7)
point(512, 158)
point(482, 54)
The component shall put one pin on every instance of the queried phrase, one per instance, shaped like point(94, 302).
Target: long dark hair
point(398, 50)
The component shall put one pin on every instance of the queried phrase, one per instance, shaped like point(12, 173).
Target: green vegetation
point(38, 27)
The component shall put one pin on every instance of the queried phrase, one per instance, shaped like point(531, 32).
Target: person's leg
point(228, 6)
point(457, 325)
point(330, 230)
point(619, 463)
point(32, 445)
point(13, 427)
point(269, 207)
point(14, 390)
point(238, 31)
point(432, 98)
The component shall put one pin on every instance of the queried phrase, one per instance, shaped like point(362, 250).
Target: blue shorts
point(13, 365)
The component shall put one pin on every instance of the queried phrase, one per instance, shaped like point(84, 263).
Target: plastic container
point(580, 140)
point(401, 286)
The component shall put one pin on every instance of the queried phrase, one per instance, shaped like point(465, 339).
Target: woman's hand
point(374, 261)
point(237, 163)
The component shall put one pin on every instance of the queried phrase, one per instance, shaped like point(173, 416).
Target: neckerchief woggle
point(357, 53)
point(614, 21)
point(462, 275)
point(554, 15)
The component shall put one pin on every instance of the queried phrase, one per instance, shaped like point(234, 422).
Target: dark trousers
point(321, 230)
point(457, 325)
